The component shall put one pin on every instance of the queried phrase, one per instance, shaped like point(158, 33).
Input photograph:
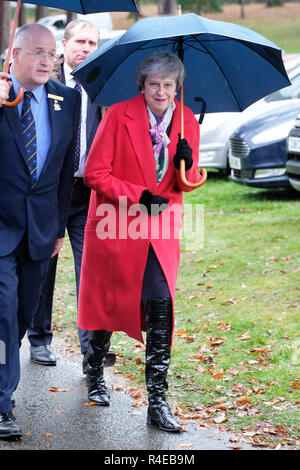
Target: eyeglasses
point(38, 54)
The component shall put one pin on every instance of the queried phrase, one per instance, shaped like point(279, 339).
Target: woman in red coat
point(131, 251)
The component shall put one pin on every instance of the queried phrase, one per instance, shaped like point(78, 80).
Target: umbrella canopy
point(228, 66)
point(88, 6)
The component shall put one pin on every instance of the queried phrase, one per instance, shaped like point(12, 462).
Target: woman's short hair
point(161, 63)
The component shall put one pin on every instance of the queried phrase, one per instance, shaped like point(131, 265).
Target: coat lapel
point(14, 121)
point(137, 124)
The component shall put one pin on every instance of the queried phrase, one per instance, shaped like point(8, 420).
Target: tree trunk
point(4, 25)
point(169, 7)
point(71, 16)
point(160, 6)
point(242, 8)
point(22, 15)
point(40, 12)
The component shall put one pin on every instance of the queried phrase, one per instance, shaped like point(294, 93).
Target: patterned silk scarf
point(160, 140)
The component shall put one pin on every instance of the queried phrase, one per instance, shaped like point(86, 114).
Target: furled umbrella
point(228, 66)
point(77, 6)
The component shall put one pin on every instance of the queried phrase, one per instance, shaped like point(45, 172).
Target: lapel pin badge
point(57, 106)
point(56, 100)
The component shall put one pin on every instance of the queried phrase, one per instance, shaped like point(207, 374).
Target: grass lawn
point(279, 24)
point(235, 360)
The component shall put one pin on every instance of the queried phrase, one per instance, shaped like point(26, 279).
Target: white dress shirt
point(70, 81)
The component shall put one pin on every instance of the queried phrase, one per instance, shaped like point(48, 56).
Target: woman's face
point(159, 93)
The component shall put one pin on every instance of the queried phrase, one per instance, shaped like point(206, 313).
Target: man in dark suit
point(37, 141)
point(80, 40)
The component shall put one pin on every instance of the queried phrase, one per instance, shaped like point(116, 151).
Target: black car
point(293, 155)
point(257, 149)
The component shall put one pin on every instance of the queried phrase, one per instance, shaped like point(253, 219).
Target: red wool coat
point(119, 168)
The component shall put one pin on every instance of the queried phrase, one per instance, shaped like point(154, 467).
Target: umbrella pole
point(182, 162)
point(7, 61)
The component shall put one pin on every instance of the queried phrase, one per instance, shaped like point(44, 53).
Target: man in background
point(80, 39)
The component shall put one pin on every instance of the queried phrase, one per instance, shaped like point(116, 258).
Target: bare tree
point(71, 16)
point(22, 15)
point(4, 25)
point(40, 12)
point(242, 8)
point(169, 7)
point(160, 5)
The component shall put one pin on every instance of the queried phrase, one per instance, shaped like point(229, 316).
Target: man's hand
point(58, 245)
point(4, 87)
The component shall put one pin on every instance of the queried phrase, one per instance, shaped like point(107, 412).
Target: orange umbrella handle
point(17, 100)
point(6, 65)
point(182, 162)
point(188, 183)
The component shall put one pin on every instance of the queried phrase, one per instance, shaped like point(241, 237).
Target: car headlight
point(272, 135)
point(269, 172)
point(207, 155)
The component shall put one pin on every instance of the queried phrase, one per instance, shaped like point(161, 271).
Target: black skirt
point(155, 285)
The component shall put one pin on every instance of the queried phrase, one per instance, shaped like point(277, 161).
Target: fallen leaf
point(181, 332)
point(216, 341)
point(224, 326)
point(218, 375)
point(228, 302)
point(47, 434)
point(275, 401)
point(55, 389)
point(244, 337)
point(91, 403)
point(259, 350)
point(221, 418)
point(184, 444)
point(135, 393)
point(296, 385)
point(243, 400)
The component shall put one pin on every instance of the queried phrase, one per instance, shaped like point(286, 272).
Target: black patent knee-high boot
point(99, 342)
point(158, 315)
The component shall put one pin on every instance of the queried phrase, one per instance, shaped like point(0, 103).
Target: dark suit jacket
point(94, 112)
point(43, 209)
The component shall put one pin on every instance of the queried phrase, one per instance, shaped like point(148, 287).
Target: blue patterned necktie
point(77, 148)
point(29, 133)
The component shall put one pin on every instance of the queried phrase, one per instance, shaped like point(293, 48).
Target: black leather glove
point(152, 204)
point(183, 150)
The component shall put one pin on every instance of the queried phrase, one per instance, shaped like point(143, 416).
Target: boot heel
point(150, 420)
